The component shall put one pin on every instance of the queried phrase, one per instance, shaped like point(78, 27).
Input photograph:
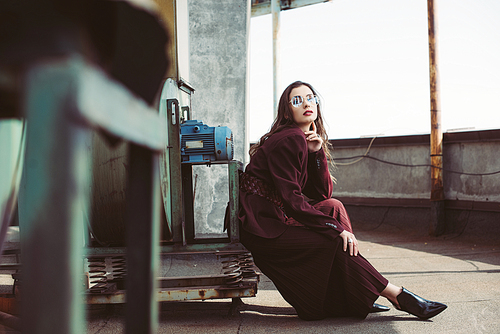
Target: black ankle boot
point(418, 306)
point(379, 308)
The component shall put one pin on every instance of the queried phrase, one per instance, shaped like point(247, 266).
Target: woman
point(307, 247)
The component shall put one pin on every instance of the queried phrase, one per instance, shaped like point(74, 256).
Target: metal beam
point(202, 248)
point(173, 294)
point(263, 7)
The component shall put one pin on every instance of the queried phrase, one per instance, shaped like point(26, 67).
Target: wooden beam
point(106, 104)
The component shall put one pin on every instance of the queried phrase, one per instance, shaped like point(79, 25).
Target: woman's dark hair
point(285, 119)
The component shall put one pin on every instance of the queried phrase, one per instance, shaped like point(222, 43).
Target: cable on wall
point(365, 155)
point(360, 157)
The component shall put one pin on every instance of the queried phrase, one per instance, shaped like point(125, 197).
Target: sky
point(369, 61)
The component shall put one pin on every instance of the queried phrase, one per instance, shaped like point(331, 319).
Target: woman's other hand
point(314, 141)
point(350, 242)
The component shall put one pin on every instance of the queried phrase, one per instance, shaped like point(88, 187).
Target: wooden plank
point(51, 202)
point(106, 104)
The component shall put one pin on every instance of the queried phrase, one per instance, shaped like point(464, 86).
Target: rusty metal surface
point(204, 293)
point(435, 103)
point(246, 289)
point(239, 278)
point(437, 189)
point(186, 281)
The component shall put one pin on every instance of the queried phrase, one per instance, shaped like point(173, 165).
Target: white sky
point(369, 62)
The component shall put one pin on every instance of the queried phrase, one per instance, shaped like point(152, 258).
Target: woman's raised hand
point(314, 141)
point(350, 242)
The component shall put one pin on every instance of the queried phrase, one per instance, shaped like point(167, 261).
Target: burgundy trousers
point(313, 273)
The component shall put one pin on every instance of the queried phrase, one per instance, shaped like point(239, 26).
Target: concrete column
point(218, 43)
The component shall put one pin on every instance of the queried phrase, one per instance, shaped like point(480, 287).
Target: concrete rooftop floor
point(461, 271)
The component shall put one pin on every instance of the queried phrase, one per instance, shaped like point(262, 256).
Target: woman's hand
point(351, 242)
point(314, 141)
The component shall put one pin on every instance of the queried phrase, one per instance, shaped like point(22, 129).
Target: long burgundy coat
point(310, 270)
point(284, 162)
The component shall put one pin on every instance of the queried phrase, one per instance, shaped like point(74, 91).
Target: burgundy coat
point(284, 162)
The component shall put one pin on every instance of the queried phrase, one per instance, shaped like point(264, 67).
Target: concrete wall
point(394, 198)
point(218, 43)
point(472, 157)
point(370, 178)
point(467, 153)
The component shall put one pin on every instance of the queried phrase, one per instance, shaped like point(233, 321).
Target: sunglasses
point(297, 101)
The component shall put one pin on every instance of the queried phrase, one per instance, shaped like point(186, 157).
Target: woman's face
point(307, 112)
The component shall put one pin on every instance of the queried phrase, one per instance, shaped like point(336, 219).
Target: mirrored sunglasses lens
point(312, 99)
point(297, 101)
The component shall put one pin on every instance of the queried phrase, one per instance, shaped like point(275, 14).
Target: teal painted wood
point(106, 104)
point(54, 193)
point(54, 179)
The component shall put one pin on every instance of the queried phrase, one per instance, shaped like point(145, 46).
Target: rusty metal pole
point(437, 223)
point(275, 12)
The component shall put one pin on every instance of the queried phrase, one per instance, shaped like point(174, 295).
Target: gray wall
point(370, 178)
point(396, 199)
point(373, 179)
point(472, 157)
point(218, 43)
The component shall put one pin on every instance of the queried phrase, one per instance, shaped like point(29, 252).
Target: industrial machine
point(201, 143)
point(190, 143)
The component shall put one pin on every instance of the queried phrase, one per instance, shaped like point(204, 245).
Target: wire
point(365, 155)
point(406, 165)
point(360, 157)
